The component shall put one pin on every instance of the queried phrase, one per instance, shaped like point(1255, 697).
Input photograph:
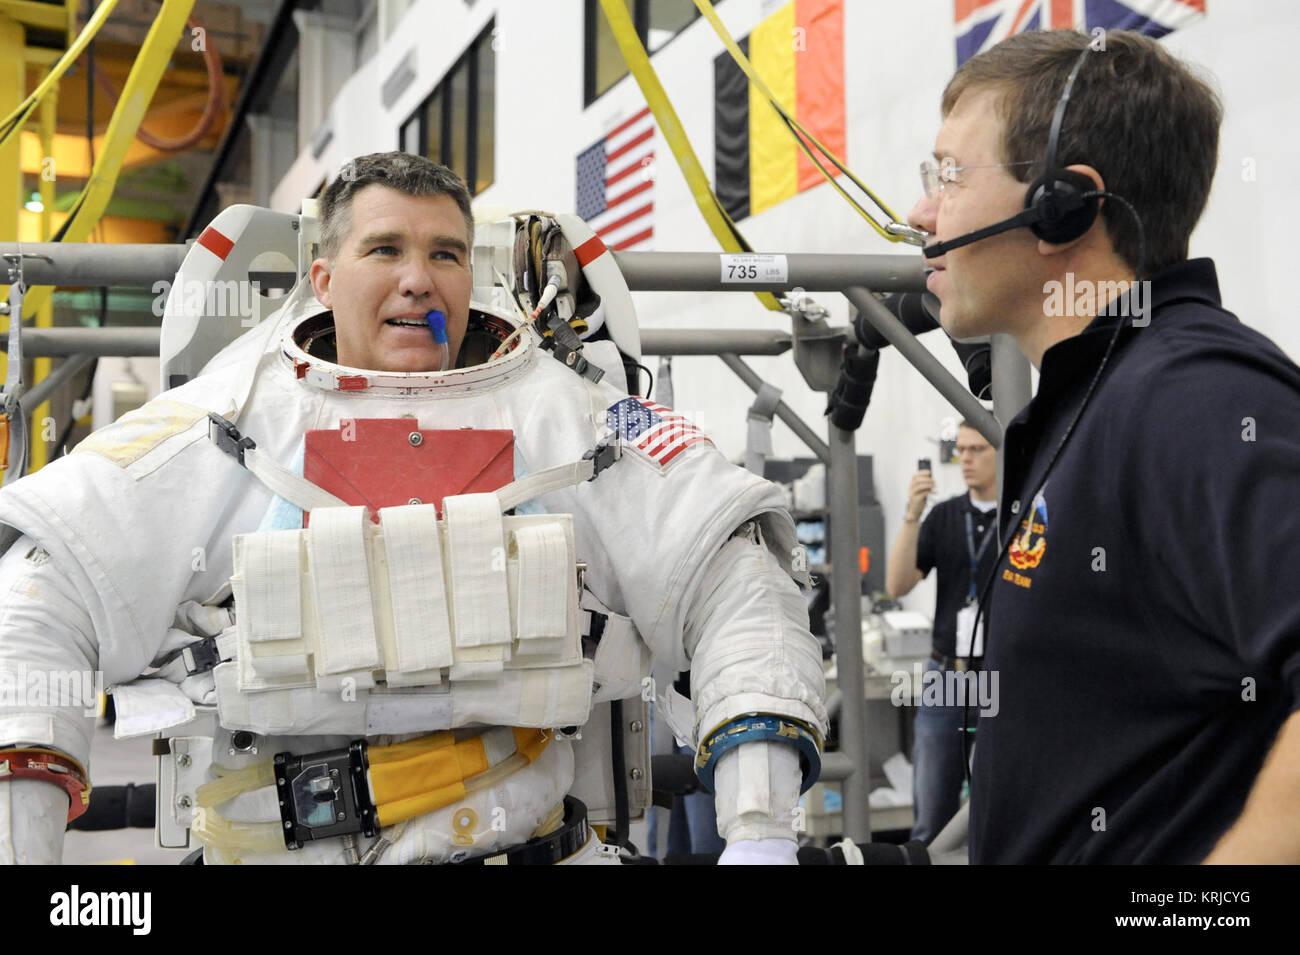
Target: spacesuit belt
point(407, 779)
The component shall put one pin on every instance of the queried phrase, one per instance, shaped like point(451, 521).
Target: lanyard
point(975, 555)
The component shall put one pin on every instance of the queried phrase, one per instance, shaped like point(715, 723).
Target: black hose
point(917, 312)
point(622, 817)
point(908, 307)
point(852, 394)
point(118, 807)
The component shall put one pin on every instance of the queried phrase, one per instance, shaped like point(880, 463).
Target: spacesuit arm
point(751, 652)
point(48, 694)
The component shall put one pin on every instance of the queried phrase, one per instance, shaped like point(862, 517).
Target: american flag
point(654, 431)
point(981, 24)
point(616, 184)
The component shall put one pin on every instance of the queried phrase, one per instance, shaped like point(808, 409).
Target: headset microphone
point(1028, 217)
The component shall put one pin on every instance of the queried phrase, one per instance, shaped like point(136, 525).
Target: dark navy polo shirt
point(1146, 629)
point(941, 544)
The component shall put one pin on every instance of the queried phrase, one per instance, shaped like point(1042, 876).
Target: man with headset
point(1147, 709)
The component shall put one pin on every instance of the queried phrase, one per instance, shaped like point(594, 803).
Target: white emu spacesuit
point(433, 659)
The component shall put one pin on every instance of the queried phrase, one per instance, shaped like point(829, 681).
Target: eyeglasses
point(936, 175)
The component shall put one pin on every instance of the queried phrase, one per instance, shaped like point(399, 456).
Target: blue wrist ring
point(756, 728)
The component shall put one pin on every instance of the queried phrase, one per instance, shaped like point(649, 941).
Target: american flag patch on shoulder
point(656, 432)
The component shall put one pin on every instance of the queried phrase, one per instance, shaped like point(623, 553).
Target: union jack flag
point(981, 24)
point(658, 433)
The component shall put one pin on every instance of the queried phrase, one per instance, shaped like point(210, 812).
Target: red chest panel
point(386, 462)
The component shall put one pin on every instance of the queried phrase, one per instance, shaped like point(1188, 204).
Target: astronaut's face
point(402, 257)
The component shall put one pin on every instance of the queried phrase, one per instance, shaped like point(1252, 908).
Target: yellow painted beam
point(41, 55)
point(12, 92)
point(108, 229)
point(44, 15)
point(39, 450)
point(72, 158)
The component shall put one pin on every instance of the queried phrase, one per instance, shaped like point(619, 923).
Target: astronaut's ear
point(320, 275)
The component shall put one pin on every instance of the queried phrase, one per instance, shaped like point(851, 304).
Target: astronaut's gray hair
point(413, 175)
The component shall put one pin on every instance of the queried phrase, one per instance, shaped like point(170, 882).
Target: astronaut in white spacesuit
point(132, 546)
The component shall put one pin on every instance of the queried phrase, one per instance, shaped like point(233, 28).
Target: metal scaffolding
point(816, 347)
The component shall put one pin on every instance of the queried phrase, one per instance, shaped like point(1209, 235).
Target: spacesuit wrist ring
point(758, 728)
point(51, 767)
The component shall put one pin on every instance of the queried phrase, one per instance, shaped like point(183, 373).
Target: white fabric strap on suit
point(477, 564)
point(421, 626)
point(294, 488)
point(336, 543)
point(301, 493)
point(542, 597)
point(544, 482)
point(270, 619)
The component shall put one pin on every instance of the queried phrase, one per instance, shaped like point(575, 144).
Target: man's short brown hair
point(413, 175)
point(1137, 115)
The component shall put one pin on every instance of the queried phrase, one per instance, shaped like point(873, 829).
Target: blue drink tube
point(438, 326)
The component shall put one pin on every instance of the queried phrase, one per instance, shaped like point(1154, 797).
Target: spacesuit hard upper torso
point(140, 520)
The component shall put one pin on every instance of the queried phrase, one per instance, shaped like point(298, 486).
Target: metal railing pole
point(783, 410)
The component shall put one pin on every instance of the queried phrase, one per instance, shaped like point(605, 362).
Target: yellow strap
point(529, 743)
point(427, 772)
point(797, 129)
point(638, 62)
point(435, 776)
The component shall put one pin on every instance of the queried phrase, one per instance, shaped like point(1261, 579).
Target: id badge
point(970, 642)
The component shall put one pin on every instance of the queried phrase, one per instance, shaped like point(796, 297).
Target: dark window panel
point(485, 165)
point(433, 126)
point(457, 148)
point(667, 18)
point(410, 137)
point(656, 22)
point(609, 64)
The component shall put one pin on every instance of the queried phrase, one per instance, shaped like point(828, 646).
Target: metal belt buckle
point(324, 795)
point(227, 438)
point(201, 657)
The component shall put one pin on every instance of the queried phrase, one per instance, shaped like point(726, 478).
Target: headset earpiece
point(1063, 211)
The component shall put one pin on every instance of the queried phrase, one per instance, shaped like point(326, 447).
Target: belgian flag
point(799, 53)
